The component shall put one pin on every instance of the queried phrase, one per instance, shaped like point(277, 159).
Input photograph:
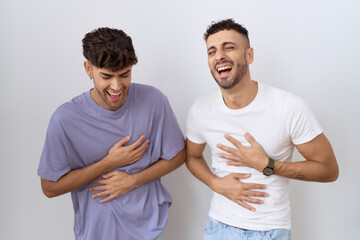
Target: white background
point(308, 47)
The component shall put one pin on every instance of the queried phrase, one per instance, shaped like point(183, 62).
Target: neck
point(240, 95)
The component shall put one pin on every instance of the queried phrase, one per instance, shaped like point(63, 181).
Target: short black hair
point(109, 48)
point(226, 24)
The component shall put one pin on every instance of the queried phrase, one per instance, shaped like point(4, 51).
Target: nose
point(219, 55)
point(116, 84)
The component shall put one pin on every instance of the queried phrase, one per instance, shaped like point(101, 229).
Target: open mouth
point(224, 70)
point(114, 95)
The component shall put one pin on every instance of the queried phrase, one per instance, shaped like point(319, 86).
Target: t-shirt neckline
point(108, 113)
point(245, 109)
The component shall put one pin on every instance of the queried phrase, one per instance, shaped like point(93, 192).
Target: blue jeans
point(215, 230)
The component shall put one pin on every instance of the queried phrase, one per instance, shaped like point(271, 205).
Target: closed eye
point(211, 51)
point(228, 45)
point(125, 74)
point(105, 76)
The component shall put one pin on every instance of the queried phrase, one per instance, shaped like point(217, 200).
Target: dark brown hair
point(226, 24)
point(109, 48)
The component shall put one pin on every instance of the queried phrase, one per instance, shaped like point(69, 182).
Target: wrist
point(137, 180)
point(213, 183)
point(264, 163)
point(269, 168)
point(106, 164)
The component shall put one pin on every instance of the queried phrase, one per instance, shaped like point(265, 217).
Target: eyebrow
point(106, 74)
point(110, 75)
point(228, 43)
point(223, 44)
point(210, 48)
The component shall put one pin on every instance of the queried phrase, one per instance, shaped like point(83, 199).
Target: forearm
point(320, 164)
point(74, 179)
point(229, 186)
point(118, 156)
point(307, 170)
point(200, 169)
point(159, 169)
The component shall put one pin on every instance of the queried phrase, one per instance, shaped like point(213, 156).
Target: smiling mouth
point(115, 95)
point(224, 70)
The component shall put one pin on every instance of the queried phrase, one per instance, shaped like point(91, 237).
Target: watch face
point(268, 171)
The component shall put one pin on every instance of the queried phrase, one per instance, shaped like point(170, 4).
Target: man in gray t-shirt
point(109, 147)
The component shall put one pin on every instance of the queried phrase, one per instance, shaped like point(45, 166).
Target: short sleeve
point(193, 132)
point(54, 162)
point(172, 139)
point(303, 125)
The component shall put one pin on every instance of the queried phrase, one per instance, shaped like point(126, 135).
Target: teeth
point(223, 68)
point(115, 94)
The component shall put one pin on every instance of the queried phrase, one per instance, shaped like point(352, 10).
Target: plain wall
point(310, 48)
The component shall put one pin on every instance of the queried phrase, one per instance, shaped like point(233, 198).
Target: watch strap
point(271, 163)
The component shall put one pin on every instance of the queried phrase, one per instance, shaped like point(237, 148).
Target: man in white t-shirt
point(251, 129)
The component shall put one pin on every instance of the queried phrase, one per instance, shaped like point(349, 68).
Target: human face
point(110, 88)
point(229, 57)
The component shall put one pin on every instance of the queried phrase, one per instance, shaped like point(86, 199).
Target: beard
point(227, 83)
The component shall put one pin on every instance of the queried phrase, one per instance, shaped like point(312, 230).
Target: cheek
point(127, 82)
point(210, 63)
point(99, 85)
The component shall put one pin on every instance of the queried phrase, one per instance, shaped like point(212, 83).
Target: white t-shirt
point(277, 120)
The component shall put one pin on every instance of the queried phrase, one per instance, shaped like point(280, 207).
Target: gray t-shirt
point(81, 132)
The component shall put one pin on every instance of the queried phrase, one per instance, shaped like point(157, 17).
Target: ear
point(88, 69)
point(249, 55)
